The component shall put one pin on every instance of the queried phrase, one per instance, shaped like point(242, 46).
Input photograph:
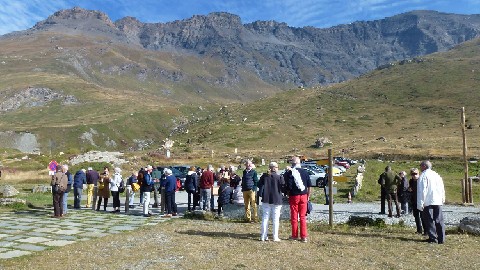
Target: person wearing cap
point(430, 198)
point(271, 184)
point(114, 185)
point(412, 188)
point(92, 177)
point(79, 180)
point(170, 185)
point(146, 189)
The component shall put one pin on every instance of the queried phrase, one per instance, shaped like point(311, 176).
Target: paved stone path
point(22, 233)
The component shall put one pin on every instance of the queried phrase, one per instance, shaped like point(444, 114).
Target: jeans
point(146, 202)
point(205, 195)
point(64, 202)
point(298, 209)
point(89, 194)
point(435, 226)
point(249, 199)
point(274, 211)
point(170, 202)
point(77, 197)
point(131, 198)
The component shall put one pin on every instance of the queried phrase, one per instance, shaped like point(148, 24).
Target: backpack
point(121, 188)
point(179, 185)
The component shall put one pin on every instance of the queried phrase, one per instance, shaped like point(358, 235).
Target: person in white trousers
point(270, 188)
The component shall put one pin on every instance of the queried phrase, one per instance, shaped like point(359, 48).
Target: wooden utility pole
point(466, 182)
point(330, 188)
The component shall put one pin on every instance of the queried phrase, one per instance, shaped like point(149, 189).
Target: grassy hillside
point(409, 109)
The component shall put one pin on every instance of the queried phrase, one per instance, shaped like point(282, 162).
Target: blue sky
point(22, 14)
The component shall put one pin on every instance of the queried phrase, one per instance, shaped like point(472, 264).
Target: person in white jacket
point(114, 185)
point(430, 198)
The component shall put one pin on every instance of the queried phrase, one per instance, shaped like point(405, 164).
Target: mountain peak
point(74, 15)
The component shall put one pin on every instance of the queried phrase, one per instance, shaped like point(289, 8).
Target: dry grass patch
point(197, 244)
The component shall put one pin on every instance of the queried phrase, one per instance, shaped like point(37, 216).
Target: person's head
point(225, 180)
point(388, 168)
point(167, 172)
point(89, 168)
point(118, 170)
point(424, 165)
point(105, 169)
point(135, 173)
point(232, 169)
point(149, 168)
point(402, 174)
point(249, 164)
point(210, 167)
point(84, 171)
point(64, 168)
point(296, 162)
point(414, 173)
point(273, 166)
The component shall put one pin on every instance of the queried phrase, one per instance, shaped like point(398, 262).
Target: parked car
point(314, 176)
point(344, 164)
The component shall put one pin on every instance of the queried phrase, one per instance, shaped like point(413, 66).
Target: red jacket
point(206, 180)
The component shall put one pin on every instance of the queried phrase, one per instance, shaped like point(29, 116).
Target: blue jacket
point(191, 182)
point(170, 183)
point(224, 192)
point(249, 180)
point(79, 179)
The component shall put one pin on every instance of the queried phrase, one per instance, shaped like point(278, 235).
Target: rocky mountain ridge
point(278, 54)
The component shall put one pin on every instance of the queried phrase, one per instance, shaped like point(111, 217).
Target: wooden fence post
point(94, 199)
point(128, 189)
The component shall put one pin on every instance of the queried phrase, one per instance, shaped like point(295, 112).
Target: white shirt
point(115, 182)
point(430, 189)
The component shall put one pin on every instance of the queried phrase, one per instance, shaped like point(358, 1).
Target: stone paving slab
point(13, 254)
point(30, 247)
point(34, 240)
point(58, 243)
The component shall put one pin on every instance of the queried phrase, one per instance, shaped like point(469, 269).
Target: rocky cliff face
point(277, 54)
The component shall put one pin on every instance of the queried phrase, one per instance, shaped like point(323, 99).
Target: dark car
point(177, 173)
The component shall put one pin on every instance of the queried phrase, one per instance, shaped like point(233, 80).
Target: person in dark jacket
point(391, 180)
point(249, 189)
point(298, 184)
point(170, 185)
point(59, 185)
point(402, 192)
point(79, 180)
point(146, 188)
point(191, 186)
point(224, 192)
point(412, 188)
point(272, 185)
point(92, 180)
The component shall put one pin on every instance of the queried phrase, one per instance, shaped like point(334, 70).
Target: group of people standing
point(423, 194)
